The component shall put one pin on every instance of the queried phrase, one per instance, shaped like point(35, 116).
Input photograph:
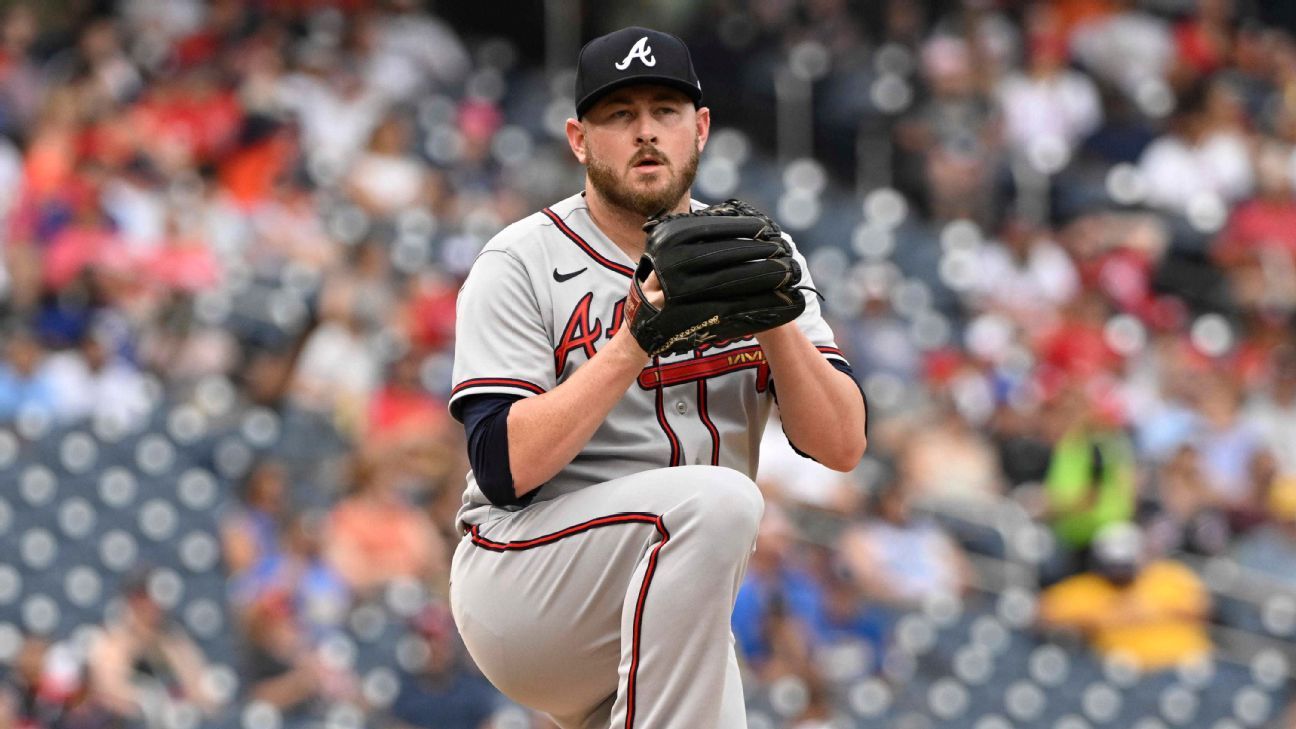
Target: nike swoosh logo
point(560, 277)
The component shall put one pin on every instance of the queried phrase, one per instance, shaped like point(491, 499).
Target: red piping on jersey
point(676, 455)
point(625, 518)
point(601, 260)
point(714, 365)
point(699, 368)
point(706, 420)
point(496, 382)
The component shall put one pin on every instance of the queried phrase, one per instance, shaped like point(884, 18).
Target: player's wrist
point(625, 348)
point(772, 337)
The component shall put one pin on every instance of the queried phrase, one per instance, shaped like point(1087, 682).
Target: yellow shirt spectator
point(1158, 619)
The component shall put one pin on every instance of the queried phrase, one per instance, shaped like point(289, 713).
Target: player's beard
point(618, 192)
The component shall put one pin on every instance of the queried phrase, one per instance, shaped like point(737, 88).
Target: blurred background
point(1057, 241)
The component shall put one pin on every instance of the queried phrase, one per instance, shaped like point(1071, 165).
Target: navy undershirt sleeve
point(840, 367)
point(485, 419)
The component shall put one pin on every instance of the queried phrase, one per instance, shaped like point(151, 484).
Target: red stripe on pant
point(626, 518)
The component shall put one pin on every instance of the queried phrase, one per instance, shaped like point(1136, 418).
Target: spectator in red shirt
point(190, 113)
point(183, 262)
point(403, 406)
point(1268, 220)
point(428, 315)
point(1258, 246)
point(1078, 345)
point(267, 152)
point(1204, 40)
point(20, 76)
point(376, 535)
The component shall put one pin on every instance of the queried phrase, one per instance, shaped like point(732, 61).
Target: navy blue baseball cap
point(633, 55)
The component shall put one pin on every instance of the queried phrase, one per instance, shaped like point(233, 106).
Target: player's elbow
point(524, 481)
point(846, 455)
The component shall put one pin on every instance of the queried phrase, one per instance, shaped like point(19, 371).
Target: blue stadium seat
point(1049, 666)
point(38, 486)
point(38, 550)
point(1025, 702)
point(158, 519)
point(118, 550)
point(1101, 702)
point(10, 449)
point(83, 587)
point(11, 588)
point(77, 518)
point(118, 488)
point(78, 452)
point(870, 699)
point(380, 685)
point(198, 490)
point(6, 516)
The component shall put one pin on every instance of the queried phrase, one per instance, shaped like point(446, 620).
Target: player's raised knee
point(727, 502)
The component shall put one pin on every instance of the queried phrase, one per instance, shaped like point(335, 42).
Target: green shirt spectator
point(1090, 484)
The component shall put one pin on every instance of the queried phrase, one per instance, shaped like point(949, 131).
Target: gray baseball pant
point(609, 607)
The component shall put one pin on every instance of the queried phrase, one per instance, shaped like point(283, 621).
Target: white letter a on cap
point(639, 50)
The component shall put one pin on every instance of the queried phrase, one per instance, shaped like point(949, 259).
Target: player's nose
point(646, 129)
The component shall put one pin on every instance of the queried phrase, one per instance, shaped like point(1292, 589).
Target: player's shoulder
point(518, 236)
point(532, 232)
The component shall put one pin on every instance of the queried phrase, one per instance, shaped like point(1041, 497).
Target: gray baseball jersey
point(541, 299)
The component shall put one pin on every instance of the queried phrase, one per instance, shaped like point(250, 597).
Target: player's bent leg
point(676, 642)
point(596, 719)
point(733, 704)
point(621, 589)
point(543, 624)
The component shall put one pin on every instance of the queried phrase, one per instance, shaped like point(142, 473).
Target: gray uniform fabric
point(611, 609)
point(606, 601)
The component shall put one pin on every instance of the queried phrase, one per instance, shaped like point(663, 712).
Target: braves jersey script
point(545, 295)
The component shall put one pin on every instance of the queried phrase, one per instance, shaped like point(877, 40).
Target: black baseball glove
point(726, 273)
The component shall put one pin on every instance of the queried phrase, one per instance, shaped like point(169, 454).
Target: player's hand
point(731, 274)
point(652, 289)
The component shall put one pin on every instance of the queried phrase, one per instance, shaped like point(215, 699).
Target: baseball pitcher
point(616, 358)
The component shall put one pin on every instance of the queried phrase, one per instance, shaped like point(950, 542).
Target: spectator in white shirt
point(337, 111)
point(1049, 109)
point(412, 50)
point(92, 381)
point(339, 368)
point(1273, 413)
point(1025, 275)
point(1204, 158)
point(900, 559)
point(1129, 48)
point(386, 179)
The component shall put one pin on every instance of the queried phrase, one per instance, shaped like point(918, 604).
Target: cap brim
point(594, 96)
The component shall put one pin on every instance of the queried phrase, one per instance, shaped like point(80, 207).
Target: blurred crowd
point(1057, 241)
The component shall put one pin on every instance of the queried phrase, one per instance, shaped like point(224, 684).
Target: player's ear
point(576, 139)
point(703, 126)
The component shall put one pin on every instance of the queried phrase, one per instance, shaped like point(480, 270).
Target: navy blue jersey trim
point(485, 419)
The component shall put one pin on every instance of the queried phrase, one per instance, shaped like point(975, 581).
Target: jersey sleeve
point(501, 342)
point(811, 321)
